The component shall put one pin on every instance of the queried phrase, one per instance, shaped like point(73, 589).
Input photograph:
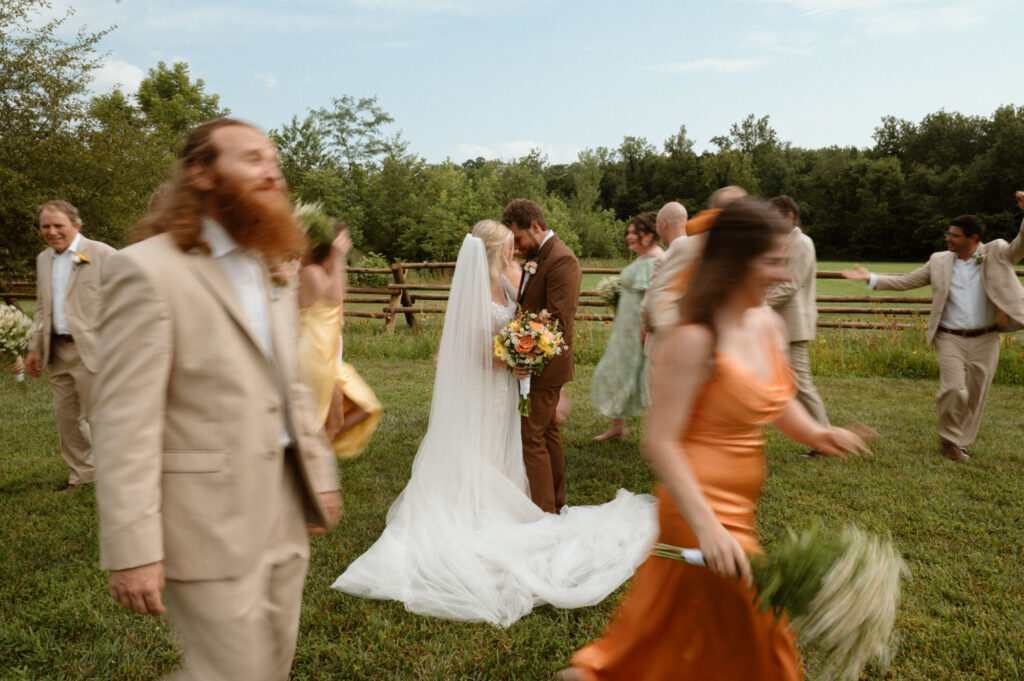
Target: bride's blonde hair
point(496, 238)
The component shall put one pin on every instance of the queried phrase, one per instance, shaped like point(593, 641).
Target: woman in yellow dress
point(346, 406)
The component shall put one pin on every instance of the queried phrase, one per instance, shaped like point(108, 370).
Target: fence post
point(13, 302)
point(401, 297)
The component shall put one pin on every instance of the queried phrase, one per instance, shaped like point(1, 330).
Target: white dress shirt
point(248, 277)
point(61, 273)
point(967, 306)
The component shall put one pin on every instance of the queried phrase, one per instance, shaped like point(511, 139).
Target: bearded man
point(210, 467)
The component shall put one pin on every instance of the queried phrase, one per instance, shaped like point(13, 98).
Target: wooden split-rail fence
point(402, 298)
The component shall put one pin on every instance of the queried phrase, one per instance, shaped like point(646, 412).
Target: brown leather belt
point(66, 337)
point(970, 333)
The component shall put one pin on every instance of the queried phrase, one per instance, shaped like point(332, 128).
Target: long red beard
point(261, 221)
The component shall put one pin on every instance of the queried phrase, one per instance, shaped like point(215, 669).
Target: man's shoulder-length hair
point(175, 207)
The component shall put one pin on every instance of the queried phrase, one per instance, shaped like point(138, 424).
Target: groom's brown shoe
point(954, 452)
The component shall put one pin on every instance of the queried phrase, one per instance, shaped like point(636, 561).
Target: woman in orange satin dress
point(716, 381)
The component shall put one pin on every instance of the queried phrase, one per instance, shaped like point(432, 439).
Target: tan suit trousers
point(70, 383)
point(806, 393)
point(245, 629)
point(966, 368)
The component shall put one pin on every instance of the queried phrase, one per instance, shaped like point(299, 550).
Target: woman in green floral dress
point(619, 386)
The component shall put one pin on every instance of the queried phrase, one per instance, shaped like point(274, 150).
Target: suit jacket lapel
point(282, 324)
point(83, 248)
point(218, 284)
point(544, 251)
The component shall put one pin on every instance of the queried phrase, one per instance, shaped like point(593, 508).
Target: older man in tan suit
point(975, 295)
point(63, 335)
point(794, 300)
point(209, 460)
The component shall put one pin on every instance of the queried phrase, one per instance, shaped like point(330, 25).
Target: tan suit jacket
point(187, 417)
point(659, 310)
point(554, 287)
point(1001, 284)
point(82, 302)
point(794, 300)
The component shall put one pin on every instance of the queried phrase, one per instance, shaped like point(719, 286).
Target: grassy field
point(958, 526)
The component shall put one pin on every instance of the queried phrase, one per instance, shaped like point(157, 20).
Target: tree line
point(106, 153)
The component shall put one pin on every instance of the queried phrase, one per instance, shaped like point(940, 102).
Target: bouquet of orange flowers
point(531, 340)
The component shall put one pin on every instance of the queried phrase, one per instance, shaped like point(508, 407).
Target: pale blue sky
point(464, 78)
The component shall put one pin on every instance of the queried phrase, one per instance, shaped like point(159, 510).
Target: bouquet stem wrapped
point(841, 594)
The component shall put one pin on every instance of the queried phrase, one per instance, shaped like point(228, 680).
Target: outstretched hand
point(342, 243)
point(839, 442)
point(858, 273)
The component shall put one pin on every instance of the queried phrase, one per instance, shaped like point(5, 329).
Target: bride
point(463, 540)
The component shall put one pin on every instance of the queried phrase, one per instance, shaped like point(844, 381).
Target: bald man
point(660, 309)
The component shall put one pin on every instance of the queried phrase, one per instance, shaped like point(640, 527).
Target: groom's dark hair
point(519, 213)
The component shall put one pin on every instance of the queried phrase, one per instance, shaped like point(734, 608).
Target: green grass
point(958, 526)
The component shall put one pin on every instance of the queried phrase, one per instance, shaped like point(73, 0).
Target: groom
point(551, 281)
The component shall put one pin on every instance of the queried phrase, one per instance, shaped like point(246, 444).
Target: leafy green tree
point(172, 102)
point(43, 79)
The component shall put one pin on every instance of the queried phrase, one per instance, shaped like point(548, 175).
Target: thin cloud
point(795, 42)
point(900, 17)
point(267, 80)
point(115, 73)
point(711, 64)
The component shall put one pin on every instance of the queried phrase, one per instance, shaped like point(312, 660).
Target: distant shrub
point(370, 280)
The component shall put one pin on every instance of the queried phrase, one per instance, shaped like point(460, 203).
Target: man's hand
point(520, 372)
point(331, 502)
point(34, 364)
point(139, 588)
point(1020, 199)
point(858, 273)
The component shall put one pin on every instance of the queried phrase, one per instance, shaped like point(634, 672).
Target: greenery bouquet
point(609, 289)
point(531, 340)
point(841, 593)
point(319, 227)
point(15, 326)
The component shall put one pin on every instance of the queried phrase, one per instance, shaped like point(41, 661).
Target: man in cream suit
point(975, 295)
point(63, 335)
point(795, 302)
point(208, 458)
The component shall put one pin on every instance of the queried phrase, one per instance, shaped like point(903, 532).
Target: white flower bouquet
point(841, 594)
point(609, 289)
point(15, 327)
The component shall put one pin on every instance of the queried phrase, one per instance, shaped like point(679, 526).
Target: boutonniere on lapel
point(80, 259)
point(978, 258)
point(530, 267)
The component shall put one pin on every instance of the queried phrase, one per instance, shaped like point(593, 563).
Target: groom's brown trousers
point(542, 450)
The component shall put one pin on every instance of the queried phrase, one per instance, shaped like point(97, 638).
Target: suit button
point(271, 454)
point(273, 410)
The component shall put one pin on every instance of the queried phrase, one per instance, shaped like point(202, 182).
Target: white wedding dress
point(463, 540)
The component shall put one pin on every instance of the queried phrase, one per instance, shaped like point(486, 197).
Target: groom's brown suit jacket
point(554, 287)
point(187, 417)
